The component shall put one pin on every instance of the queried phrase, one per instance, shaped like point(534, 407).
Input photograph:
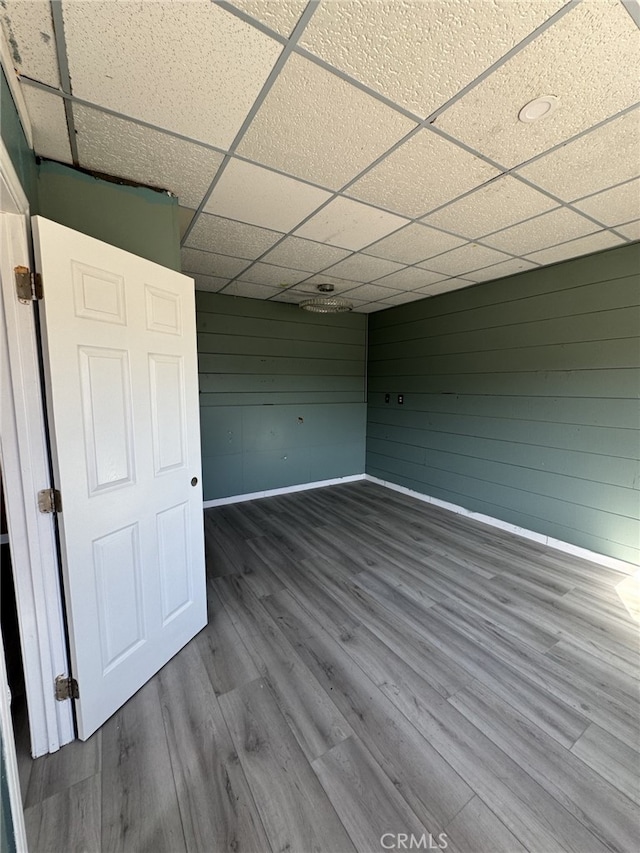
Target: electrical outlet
point(400, 399)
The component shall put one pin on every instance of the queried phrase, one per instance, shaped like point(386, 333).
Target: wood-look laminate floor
point(373, 666)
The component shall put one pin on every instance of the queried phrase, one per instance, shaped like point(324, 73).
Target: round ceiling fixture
point(326, 305)
point(539, 108)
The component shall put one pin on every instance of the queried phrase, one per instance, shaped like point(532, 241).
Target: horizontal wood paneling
point(606, 441)
point(282, 395)
point(596, 326)
point(521, 400)
point(592, 269)
point(216, 364)
point(556, 410)
point(619, 383)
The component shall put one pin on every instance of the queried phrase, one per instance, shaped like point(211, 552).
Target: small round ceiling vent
point(541, 107)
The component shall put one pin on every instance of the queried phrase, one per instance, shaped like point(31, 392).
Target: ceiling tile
point(370, 291)
point(596, 41)
point(258, 196)
point(209, 282)
point(630, 230)
point(185, 215)
point(305, 254)
point(316, 126)
point(469, 257)
point(586, 165)
point(405, 50)
point(582, 246)
point(349, 224)
point(250, 290)
point(28, 28)
point(275, 276)
point(363, 268)
point(445, 286)
point(228, 237)
point(125, 149)
point(281, 16)
point(49, 124)
point(510, 267)
point(543, 231)
point(503, 202)
point(420, 175)
point(209, 263)
point(190, 67)
point(410, 278)
point(611, 207)
point(412, 244)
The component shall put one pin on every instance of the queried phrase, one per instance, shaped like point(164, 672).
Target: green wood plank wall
point(520, 400)
point(137, 219)
point(22, 157)
point(282, 394)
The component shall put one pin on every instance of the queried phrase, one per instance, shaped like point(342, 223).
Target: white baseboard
point(558, 544)
point(269, 493)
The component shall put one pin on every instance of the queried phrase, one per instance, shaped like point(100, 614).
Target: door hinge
point(28, 285)
point(49, 500)
point(66, 688)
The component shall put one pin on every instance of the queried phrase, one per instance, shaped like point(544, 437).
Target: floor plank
point(216, 805)
point(432, 788)
point(53, 773)
point(226, 658)
point(140, 809)
point(612, 759)
point(476, 828)
point(295, 811)
point(365, 798)
point(67, 821)
point(603, 809)
point(312, 716)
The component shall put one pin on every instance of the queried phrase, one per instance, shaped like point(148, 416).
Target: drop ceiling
point(373, 145)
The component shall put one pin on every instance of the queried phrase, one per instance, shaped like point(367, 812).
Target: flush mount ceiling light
point(539, 108)
point(326, 304)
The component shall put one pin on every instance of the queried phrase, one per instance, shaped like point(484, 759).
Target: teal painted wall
point(16, 143)
point(264, 365)
point(520, 400)
point(137, 219)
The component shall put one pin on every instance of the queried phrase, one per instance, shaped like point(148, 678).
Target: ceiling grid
point(371, 145)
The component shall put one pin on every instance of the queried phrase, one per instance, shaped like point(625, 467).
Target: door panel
point(121, 368)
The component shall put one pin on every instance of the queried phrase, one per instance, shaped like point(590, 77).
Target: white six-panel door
point(121, 369)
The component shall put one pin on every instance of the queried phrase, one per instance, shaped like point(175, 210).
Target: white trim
point(269, 493)
point(12, 195)
point(25, 466)
point(558, 544)
point(10, 760)
point(14, 85)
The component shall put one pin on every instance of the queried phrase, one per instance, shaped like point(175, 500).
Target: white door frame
point(25, 468)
